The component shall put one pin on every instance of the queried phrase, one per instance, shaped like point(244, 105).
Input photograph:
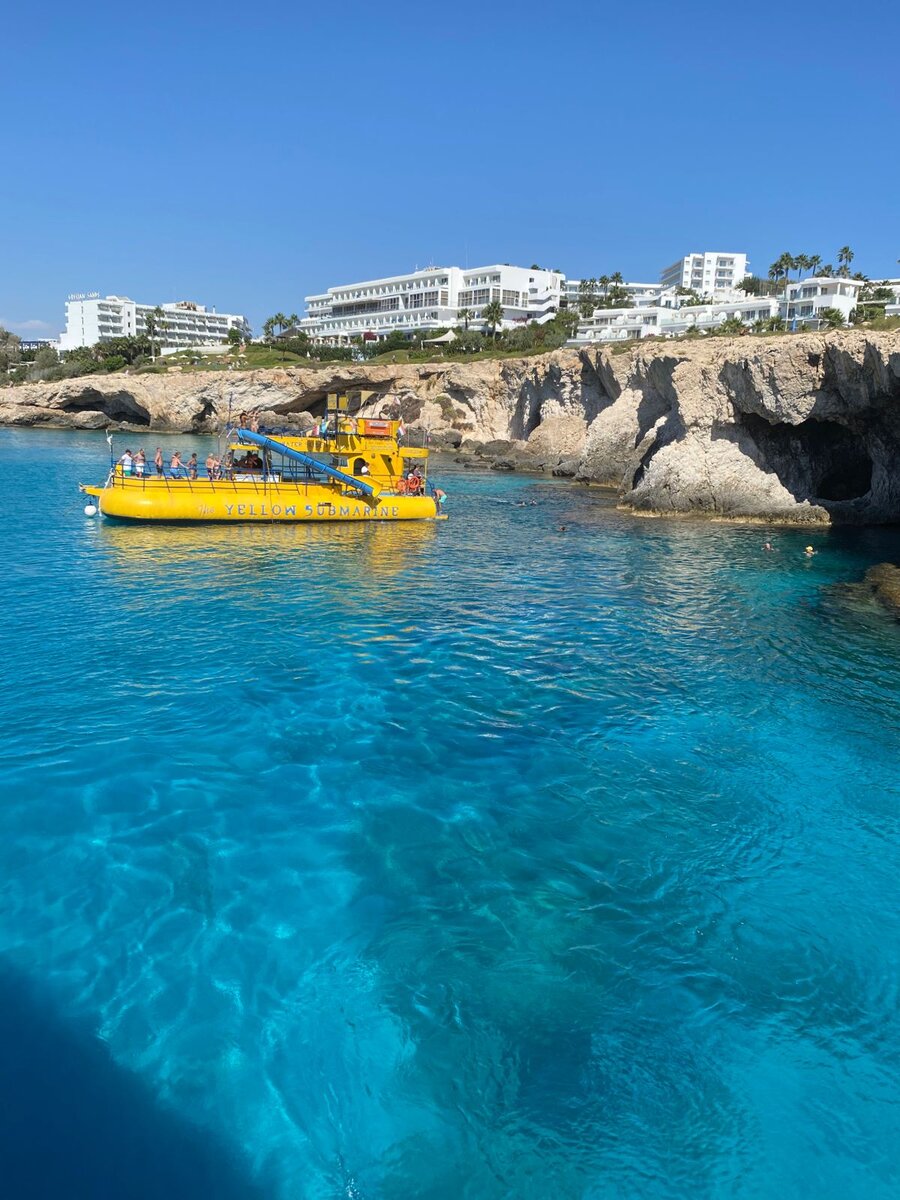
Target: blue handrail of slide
point(267, 443)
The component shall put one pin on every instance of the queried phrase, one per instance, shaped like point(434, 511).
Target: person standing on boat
point(140, 462)
point(193, 465)
point(127, 461)
point(176, 466)
point(158, 460)
point(211, 464)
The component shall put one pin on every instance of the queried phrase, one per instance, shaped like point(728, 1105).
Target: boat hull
point(153, 499)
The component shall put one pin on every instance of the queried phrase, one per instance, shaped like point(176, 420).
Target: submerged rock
point(880, 583)
point(884, 582)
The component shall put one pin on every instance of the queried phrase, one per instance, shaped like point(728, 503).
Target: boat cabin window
point(248, 462)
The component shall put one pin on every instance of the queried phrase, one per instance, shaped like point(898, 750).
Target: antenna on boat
point(227, 426)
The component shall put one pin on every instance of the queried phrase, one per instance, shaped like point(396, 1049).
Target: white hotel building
point(431, 299)
point(805, 298)
point(800, 305)
point(707, 273)
point(92, 318)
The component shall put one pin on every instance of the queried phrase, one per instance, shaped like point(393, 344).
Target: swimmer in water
point(562, 528)
point(809, 552)
point(768, 546)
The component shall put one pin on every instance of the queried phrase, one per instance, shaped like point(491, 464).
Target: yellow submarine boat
point(351, 469)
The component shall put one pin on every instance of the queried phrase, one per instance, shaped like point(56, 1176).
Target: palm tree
point(154, 323)
point(787, 263)
point(777, 269)
point(493, 314)
point(569, 321)
point(466, 314)
point(285, 322)
point(278, 321)
point(814, 262)
point(604, 282)
point(587, 297)
point(845, 258)
point(616, 293)
point(732, 325)
point(803, 263)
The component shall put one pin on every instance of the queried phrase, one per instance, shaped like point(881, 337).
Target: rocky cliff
point(800, 428)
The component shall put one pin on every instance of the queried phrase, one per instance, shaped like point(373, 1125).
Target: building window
point(421, 299)
point(510, 299)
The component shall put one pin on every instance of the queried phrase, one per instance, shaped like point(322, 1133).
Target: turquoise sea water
point(466, 860)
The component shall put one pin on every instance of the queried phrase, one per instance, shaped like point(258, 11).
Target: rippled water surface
point(479, 859)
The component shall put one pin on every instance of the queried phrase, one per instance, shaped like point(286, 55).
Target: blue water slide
point(267, 443)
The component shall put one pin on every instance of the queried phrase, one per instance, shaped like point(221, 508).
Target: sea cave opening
point(819, 461)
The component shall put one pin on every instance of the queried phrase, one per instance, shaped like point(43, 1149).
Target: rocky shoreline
point(799, 429)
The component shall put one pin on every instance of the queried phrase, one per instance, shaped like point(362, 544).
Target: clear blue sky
point(245, 157)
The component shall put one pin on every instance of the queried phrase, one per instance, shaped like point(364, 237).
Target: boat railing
point(239, 481)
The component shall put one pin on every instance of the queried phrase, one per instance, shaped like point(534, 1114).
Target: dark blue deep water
point(474, 860)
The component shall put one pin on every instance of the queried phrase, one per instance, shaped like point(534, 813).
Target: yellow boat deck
point(358, 471)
